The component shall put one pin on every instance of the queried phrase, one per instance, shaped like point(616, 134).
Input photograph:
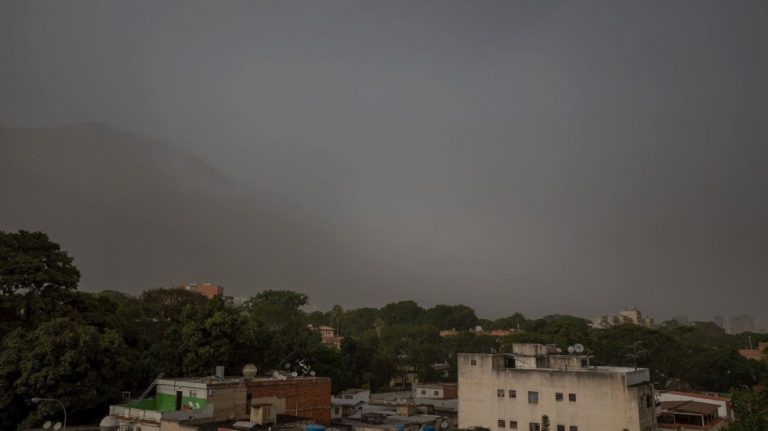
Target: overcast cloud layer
point(543, 157)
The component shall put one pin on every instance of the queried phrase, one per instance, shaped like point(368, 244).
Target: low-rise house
point(724, 409)
point(208, 290)
point(756, 354)
point(328, 336)
point(347, 402)
point(436, 390)
point(689, 415)
point(447, 408)
point(204, 400)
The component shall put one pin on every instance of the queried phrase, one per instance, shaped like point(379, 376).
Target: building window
point(502, 424)
point(192, 394)
point(500, 393)
point(560, 427)
point(558, 396)
point(211, 391)
point(509, 361)
point(534, 426)
point(533, 397)
point(648, 401)
point(571, 397)
point(473, 362)
point(423, 392)
point(436, 393)
point(513, 425)
point(512, 393)
point(573, 428)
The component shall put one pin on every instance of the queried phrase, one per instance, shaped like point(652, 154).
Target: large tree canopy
point(30, 262)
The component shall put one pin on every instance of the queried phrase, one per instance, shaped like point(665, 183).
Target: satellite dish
point(47, 425)
point(312, 373)
point(294, 374)
point(191, 404)
point(287, 365)
point(443, 424)
point(571, 349)
point(559, 350)
point(578, 348)
point(57, 426)
point(197, 405)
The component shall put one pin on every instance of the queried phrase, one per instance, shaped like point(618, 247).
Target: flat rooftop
point(213, 380)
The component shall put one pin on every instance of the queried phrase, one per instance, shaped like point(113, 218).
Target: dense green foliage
point(84, 348)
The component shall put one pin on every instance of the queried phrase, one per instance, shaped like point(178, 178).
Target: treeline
point(85, 348)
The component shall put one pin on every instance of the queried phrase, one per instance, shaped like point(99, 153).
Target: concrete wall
point(604, 402)
point(229, 401)
point(306, 397)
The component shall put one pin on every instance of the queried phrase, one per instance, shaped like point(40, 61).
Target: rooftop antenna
point(636, 353)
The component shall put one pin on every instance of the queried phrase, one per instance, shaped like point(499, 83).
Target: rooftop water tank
point(315, 427)
point(109, 423)
point(250, 370)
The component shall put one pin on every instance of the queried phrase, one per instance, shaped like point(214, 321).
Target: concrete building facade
point(516, 390)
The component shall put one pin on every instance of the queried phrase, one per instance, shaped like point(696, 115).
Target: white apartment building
point(514, 391)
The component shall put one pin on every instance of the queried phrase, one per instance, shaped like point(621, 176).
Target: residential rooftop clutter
point(631, 316)
point(401, 416)
point(425, 403)
point(197, 403)
point(516, 390)
point(693, 410)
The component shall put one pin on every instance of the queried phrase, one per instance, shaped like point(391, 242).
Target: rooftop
point(690, 407)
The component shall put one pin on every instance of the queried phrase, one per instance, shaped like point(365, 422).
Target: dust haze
point(555, 157)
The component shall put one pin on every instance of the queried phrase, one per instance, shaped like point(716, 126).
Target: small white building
point(514, 391)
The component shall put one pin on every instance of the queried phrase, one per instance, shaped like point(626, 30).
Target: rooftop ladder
point(150, 387)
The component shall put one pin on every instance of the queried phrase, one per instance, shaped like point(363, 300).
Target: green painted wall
point(145, 404)
point(167, 402)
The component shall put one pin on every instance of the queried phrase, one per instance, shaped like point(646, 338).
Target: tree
point(751, 408)
point(61, 359)
point(169, 303)
point(31, 263)
point(276, 308)
point(450, 316)
point(402, 312)
point(545, 423)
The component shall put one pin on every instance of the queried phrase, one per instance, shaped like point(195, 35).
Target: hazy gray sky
point(542, 157)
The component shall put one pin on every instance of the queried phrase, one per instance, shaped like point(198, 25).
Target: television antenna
point(636, 352)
